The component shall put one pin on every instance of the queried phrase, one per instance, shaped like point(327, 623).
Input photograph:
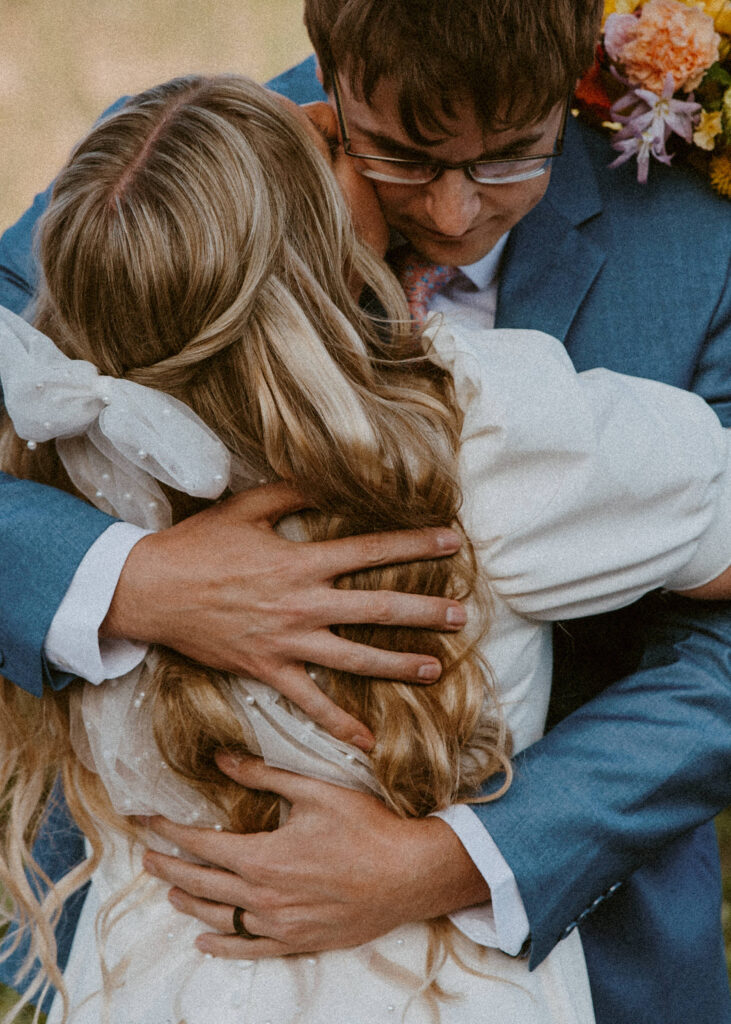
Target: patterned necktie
point(421, 279)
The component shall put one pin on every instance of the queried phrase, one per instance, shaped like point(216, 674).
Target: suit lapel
point(549, 264)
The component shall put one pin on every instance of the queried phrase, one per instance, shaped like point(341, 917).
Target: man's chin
point(457, 252)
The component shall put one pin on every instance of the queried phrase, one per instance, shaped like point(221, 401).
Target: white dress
point(563, 526)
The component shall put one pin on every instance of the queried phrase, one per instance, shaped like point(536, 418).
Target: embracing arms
point(221, 587)
point(569, 831)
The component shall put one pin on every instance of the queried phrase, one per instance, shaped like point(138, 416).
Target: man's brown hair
point(512, 60)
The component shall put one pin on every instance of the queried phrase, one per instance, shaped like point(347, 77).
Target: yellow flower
point(708, 128)
point(619, 7)
point(720, 174)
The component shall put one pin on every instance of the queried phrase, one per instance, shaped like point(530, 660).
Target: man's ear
point(324, 118)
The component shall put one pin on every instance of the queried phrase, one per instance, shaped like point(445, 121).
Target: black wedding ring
point(239, 926)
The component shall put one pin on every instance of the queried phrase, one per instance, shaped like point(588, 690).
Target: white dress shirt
point(503, 922)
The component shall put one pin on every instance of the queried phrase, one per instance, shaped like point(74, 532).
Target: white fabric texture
point(114, 437)
point(502, 923)
point(548, 482)
point(73, 643)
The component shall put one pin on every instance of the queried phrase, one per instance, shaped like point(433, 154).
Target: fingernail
point(456, 615)
point(429, 672)
point(202, 945)
point(448, 540)
point(363, 742)
point(228, 762)
point(174, 897)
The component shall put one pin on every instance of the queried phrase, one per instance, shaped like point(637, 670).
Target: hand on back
point(223, 588)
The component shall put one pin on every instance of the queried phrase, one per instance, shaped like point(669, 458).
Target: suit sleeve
point(44, 533)
point(643, 761)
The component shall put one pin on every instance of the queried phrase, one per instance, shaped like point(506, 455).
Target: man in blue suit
point(634, 278)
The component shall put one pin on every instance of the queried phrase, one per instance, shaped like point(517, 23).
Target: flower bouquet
point(661, 82)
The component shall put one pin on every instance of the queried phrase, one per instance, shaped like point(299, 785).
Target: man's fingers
point(231, 947)
point(338, 653)
point(391, 608)
point(269, 502)
point(207, 883)
point(256, 774)
point(227, 850)
point(216, 915)
point(293, 682)
point(333, 558)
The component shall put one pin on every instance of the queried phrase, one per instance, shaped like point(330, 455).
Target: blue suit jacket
point(637, 279)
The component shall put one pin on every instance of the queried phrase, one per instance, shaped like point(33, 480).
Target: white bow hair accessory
point(113, 436)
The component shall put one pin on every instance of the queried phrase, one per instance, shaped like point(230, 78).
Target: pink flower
point(651, 120)
point(667, 38)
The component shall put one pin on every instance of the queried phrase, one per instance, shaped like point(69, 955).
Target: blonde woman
point(198, 329)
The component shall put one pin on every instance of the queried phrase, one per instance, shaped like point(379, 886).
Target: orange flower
point(719, 10)
point(667, 38)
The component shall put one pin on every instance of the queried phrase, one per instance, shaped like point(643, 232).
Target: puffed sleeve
point(584, 491)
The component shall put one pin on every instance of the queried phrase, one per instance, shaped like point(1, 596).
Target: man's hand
point(341, 871)
point(223, 588)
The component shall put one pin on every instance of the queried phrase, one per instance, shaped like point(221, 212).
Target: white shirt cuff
point(502, 923)
point(72, 643)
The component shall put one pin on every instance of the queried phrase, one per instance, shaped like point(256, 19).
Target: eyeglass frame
point(440, 166)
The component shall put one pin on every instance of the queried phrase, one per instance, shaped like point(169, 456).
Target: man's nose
point(452, 202)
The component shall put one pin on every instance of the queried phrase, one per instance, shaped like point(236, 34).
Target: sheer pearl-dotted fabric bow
point(114, 437)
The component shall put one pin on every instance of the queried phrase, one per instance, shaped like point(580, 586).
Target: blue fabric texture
point(62, 848)
point(599, 823)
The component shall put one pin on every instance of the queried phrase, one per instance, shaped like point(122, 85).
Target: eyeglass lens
point(420, 174)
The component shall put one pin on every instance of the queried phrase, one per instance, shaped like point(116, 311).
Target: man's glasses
point(497, 171)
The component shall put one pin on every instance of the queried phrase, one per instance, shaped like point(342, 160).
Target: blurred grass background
point(64, 61)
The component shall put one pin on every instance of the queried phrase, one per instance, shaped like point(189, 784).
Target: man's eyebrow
point(387, 144)
point(396, 148)
point(515, 148)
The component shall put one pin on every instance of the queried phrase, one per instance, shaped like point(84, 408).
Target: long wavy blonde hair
point(196, 242)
